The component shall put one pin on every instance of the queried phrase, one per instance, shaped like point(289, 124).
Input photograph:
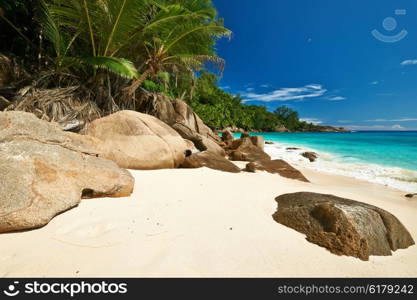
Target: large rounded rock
point(344, 227)
point(45, 171)
point(138, 141)
point(209, 160)
point(277, 166)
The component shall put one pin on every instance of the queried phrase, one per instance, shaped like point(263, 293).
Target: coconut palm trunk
point(130, 90)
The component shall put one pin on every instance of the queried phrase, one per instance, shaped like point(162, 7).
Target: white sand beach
point(200, 223)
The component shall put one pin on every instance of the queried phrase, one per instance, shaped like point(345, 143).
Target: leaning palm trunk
point(130, 90)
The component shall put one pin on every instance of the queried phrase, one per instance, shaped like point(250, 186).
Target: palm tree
point(89, 32)
point(157, 35)
point(179, 38)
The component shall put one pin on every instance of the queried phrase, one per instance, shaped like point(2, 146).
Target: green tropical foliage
point(220, 109)
point(156, 36)
point(113, 47)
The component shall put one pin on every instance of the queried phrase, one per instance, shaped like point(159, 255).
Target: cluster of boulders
point(251, 149)
point(207, 148)
point(45, 170)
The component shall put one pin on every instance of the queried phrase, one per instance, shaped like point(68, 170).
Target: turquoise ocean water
point(385, 157)
point(391, 149)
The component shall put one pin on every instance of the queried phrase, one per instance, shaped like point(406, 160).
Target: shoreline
point(329, 164)
point(200, 223)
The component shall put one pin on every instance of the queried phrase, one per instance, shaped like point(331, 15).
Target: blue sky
point(345, 63)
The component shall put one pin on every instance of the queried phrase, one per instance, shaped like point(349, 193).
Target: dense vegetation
point(221, 109)
point(113, 45)
point(109, 49)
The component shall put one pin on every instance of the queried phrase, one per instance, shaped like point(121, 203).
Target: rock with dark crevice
point(209, 160)
point(45, 171)
point(343, 226)
point(276, 167)
point(200, 142)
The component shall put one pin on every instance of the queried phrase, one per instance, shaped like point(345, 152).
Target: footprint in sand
point(91, 235)
point(90, 230)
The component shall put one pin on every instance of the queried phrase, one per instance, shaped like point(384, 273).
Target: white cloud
point(344, 121)
point(374, 83)
point(375, 127)
point(312, 120)
point(377, 120)
point(265, 86)
point(405, 120)
point(409, 62)
point(288, 94)
point(336, 98)
point(250, 89)
point(225, 87)
point(393, 120)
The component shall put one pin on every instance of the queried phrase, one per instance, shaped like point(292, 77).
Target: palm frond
point(214, 30)
point(120, 66)
point(51, 29)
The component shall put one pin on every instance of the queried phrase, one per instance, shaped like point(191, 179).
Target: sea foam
point(397, 178)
